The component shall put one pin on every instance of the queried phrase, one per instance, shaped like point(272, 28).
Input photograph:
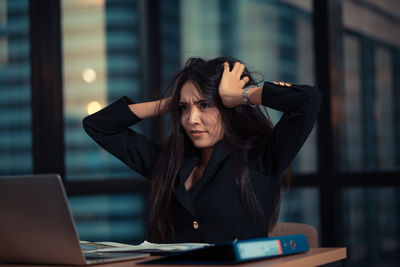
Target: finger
point(240, 70)
point(236, 67)
point(244, 80)
point(226, 67)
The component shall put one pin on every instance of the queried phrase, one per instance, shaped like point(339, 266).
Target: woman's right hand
point(231, 86)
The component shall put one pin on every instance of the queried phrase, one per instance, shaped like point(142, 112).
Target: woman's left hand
point(231, 86)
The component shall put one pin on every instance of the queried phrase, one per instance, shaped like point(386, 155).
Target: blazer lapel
point(220, 153)
point(184, 198)
point(180, 192)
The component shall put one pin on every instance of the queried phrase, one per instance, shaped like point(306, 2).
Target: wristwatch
point(245, 94)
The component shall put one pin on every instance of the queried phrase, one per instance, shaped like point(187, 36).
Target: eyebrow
point(195, 102)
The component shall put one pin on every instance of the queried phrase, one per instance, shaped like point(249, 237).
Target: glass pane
point(371, 39)
point(384, 108)
point(273, 38)
point(101, 63)
point(15, 97)
point(351, 132)
point(115, 218)
point(372, 226)
point(301, 206)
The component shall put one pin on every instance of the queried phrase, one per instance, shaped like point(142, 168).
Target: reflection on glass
point(89, 75)
point(367, 133)
point(101, 62)
point(109, 217)
point(101, 59)
point(384, 109)
point(351, 132)
point(368, 130)
point(301, 206)
point(15, 97)
point(372, 226)
point(93, 107)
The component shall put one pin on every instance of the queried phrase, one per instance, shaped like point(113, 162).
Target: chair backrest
point(288, 228)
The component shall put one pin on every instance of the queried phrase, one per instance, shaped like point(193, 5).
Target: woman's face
point(202, 122)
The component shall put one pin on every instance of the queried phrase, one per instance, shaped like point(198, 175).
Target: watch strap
point(245, 96)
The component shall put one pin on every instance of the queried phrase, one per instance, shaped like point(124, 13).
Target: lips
point(196, 133)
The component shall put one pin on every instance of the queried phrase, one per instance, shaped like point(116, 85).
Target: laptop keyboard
point(87, 246)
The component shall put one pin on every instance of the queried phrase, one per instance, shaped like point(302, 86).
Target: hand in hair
point(150, 109)
point(231, 85)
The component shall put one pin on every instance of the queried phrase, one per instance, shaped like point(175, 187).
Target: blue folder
point(238, 251)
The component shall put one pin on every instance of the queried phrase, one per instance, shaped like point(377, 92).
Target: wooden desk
point(314, 257)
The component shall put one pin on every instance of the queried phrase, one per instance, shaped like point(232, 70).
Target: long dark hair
point(244, 128)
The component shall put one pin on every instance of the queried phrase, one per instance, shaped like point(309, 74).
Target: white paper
point(143, 247)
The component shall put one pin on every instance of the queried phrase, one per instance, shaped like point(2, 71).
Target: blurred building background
point(62, 60)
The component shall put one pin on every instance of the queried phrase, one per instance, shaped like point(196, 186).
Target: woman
point(218, 176)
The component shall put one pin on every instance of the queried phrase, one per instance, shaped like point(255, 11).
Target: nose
point(194, 116)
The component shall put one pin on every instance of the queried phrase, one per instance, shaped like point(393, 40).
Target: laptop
point(37, 227)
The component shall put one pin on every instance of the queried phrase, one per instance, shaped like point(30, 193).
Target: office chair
point(288, 228)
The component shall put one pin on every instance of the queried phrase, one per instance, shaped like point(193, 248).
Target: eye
point(182, 107)
point(204, 105)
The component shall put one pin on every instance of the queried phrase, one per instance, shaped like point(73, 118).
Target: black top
point(212, 212)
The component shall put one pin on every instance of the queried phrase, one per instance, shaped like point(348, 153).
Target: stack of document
point(145, 247)
point(238, 251)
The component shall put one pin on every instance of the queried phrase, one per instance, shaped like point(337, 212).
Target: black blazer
point(212, 211)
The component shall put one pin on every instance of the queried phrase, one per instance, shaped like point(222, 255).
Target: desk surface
point(314, 257)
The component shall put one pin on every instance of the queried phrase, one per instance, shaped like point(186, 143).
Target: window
point(368, 135)
point(368, 129)
point(101, 63)
point(15, 98)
